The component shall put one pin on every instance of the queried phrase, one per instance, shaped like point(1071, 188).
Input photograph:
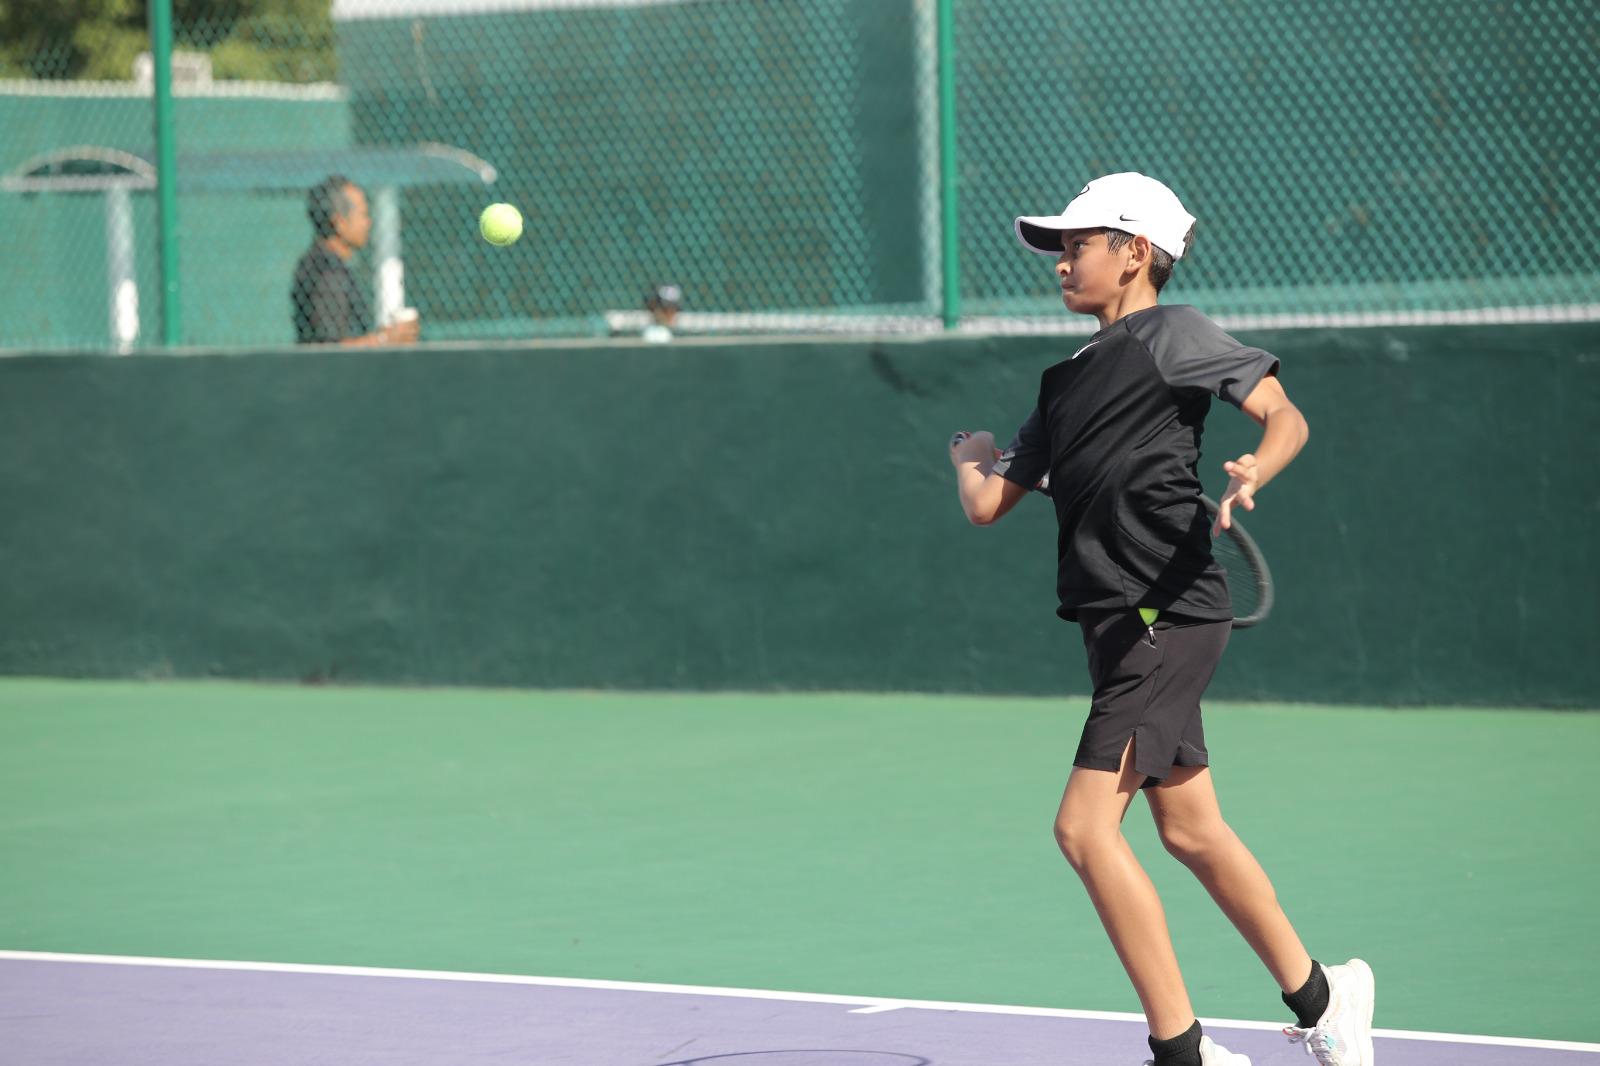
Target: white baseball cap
point(1131, 202)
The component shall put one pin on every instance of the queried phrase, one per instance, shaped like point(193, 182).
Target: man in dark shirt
point(327, 303)
point(1116, 429)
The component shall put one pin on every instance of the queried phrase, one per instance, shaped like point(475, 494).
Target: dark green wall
point(767, 515)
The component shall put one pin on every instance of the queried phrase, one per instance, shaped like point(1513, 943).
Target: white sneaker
point(1343, 1035)
point(1214, 1055)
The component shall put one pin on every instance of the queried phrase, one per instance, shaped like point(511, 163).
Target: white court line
point(861, 1004)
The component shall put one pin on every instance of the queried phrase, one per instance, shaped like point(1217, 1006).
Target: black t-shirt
point(325, 300)
point(1116, 431)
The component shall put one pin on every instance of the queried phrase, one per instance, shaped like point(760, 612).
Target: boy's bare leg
point(1190, 823)
point(1089, 831)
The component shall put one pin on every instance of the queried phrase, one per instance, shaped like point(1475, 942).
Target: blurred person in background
point(663, 302)
point(327, 303)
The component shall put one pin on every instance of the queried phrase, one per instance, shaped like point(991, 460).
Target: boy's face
point(1091, 274)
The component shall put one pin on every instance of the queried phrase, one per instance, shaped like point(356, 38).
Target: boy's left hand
point(1243, 477)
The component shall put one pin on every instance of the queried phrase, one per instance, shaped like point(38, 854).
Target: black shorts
point(1147, 689)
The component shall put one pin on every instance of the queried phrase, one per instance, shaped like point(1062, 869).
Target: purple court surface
point(83, 1010)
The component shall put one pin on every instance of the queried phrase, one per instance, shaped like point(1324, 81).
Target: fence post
point(166, 170)
point(947, 163)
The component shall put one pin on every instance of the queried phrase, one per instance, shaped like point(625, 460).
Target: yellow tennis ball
point(500, 224)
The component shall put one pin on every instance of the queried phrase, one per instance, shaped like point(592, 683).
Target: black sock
point(1310, 1002)
point(1181, 1050)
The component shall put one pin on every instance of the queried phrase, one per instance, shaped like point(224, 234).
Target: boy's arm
point(1285, 434)
point(985, 495)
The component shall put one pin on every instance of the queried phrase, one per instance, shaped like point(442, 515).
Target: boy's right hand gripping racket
point(1249, 580)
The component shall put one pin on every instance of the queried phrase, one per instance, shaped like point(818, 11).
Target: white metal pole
point(390, 271)
point(123, 290)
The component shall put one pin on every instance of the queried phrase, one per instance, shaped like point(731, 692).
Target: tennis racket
point(1249, 579)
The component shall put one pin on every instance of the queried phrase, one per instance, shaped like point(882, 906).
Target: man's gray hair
point(328, 198)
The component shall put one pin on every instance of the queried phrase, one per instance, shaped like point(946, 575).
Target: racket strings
point(1243, 587)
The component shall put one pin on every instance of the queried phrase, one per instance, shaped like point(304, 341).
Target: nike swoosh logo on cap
point(1125, 218)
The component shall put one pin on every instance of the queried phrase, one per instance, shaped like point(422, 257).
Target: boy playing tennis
point(1116, 431)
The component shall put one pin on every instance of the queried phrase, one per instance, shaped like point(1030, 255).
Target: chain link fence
point(1348, 161)
point(779, 163)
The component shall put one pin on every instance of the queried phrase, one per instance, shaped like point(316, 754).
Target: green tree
point(264, 40)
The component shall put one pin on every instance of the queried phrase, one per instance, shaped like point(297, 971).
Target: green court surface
point(881, 845)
